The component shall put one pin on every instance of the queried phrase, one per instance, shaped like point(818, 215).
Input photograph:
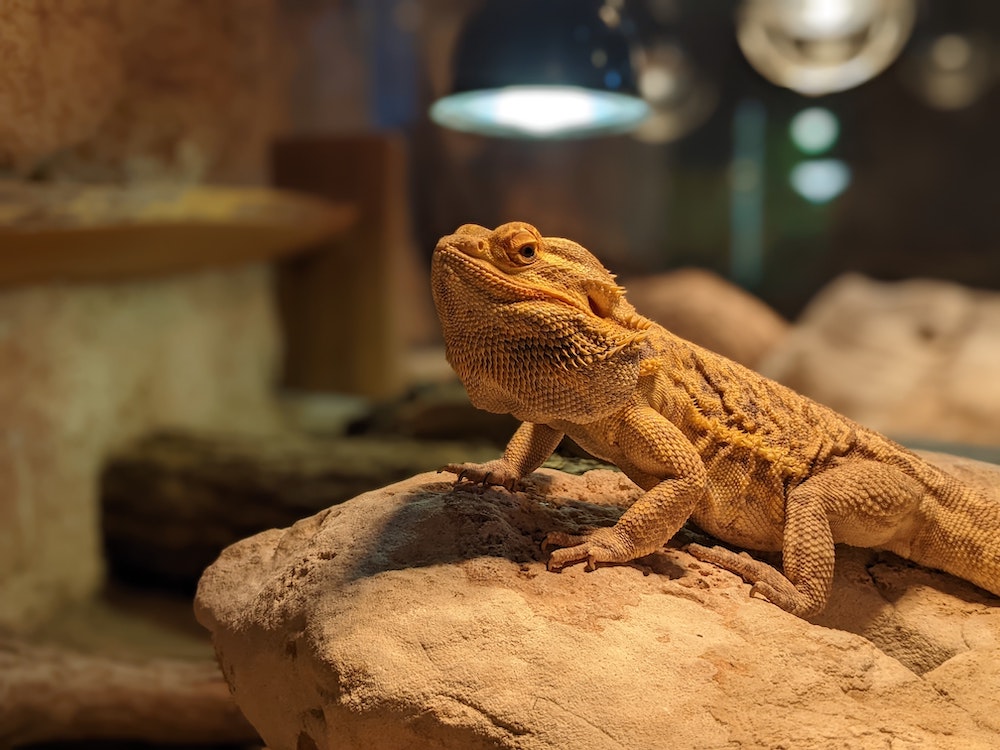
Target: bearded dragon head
point(535, 326)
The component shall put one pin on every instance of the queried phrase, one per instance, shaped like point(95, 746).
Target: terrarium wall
point(116, 90)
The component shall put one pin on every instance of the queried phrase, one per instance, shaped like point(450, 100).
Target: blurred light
point(951, 52)
point(951, 71)
point(819, 19)
point(611, 15)
point(657, 83)
point(817, 47)
point(815, 130)
point(553, 69)
point(539, 111)
point(819, 181)
point(679, 93)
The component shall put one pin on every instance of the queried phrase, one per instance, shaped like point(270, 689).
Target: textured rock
point(913, 358)
point(86, 368)
point(421, 615)
point(705, 308)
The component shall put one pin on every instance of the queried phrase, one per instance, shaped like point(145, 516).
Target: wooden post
point(337, 302)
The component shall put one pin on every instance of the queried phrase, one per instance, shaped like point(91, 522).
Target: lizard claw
point(566, 556)
point(597, 546)
point(765, 590)
point(491, 474)
point(562, 539)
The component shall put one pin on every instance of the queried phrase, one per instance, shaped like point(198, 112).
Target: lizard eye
point(526, 253)
point(524, 248)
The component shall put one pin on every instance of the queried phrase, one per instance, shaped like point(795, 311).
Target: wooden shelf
point(97, 232)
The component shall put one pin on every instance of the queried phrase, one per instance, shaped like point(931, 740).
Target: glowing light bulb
point(817, 47)
point(540, 111)
point(827, 18)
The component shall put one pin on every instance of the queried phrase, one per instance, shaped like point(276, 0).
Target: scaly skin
point(536, 327)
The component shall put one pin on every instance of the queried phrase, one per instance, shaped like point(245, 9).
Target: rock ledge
point(421, 616)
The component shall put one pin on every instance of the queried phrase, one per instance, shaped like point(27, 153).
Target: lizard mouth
point(476, 270)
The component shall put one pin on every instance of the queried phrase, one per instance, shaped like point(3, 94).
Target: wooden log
point(172, 502)
point(50, 694)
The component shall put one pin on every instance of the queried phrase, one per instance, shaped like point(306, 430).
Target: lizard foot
point(764, 579)
point(597, 546)
point(740, 563)
point(492, 473)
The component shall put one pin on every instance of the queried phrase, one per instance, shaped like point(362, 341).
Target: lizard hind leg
point(862, 503)
point(765, 579)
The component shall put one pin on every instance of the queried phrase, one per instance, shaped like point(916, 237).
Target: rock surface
point(421, 616)
point(915, 358)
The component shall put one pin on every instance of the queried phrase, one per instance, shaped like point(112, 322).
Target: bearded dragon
point(536, 327)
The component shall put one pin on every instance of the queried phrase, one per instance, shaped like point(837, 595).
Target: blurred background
point(882, 162)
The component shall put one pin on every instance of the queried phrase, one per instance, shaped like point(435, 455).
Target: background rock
point(421, 615)
point(50, 694)
point(703, 307)
point(912, 358)
point(172, 92)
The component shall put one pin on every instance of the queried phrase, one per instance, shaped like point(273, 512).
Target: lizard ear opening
point(601, 302)
point(595, 307)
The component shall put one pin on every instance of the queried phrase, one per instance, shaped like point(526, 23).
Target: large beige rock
point(422, 616)
point(88, 367)
point(916, 358)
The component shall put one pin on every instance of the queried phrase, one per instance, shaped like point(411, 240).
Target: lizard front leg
point(661, 460)
point(530, 445)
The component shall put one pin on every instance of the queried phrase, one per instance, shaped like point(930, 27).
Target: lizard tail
point(959, 532)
